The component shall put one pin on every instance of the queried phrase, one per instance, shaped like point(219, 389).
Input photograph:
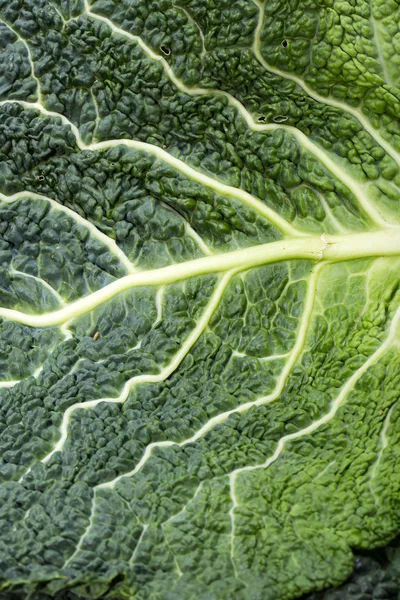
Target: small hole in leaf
point(280, 119)
point(284, 43)
point(165, 50)
point(261, 119)
point(41, 177)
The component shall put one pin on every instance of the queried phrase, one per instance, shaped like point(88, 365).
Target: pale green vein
point(159, 305)
point(56, 10)
point(141, 379)
point(325, 248)
point(283, 377)
point(166, 372)
point(335, 223)
point(304, 141)
point(213, 422)
point(184, 508)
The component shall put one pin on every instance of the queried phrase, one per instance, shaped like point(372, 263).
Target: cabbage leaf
point(199, 299)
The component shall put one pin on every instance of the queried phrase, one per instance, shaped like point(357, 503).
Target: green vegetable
point(199, 299)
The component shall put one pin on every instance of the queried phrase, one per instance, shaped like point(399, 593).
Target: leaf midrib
point(324, 248)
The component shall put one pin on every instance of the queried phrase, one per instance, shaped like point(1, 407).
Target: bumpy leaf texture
point(199, 299)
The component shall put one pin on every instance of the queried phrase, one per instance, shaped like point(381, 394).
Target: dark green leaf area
point(134, 338)
point(16, 79)
point(47, 257)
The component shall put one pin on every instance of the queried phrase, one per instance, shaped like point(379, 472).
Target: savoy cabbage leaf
point(199, 299)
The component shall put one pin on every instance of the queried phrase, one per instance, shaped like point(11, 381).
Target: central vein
point(327, 248)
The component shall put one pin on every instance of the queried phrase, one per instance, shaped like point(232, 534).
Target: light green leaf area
point(199, 300)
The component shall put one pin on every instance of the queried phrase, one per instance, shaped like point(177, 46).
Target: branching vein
point(31, 63)
point(156, 378)
point(384, 443)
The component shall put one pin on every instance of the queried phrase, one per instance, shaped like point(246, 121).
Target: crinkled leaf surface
point(199, 299)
